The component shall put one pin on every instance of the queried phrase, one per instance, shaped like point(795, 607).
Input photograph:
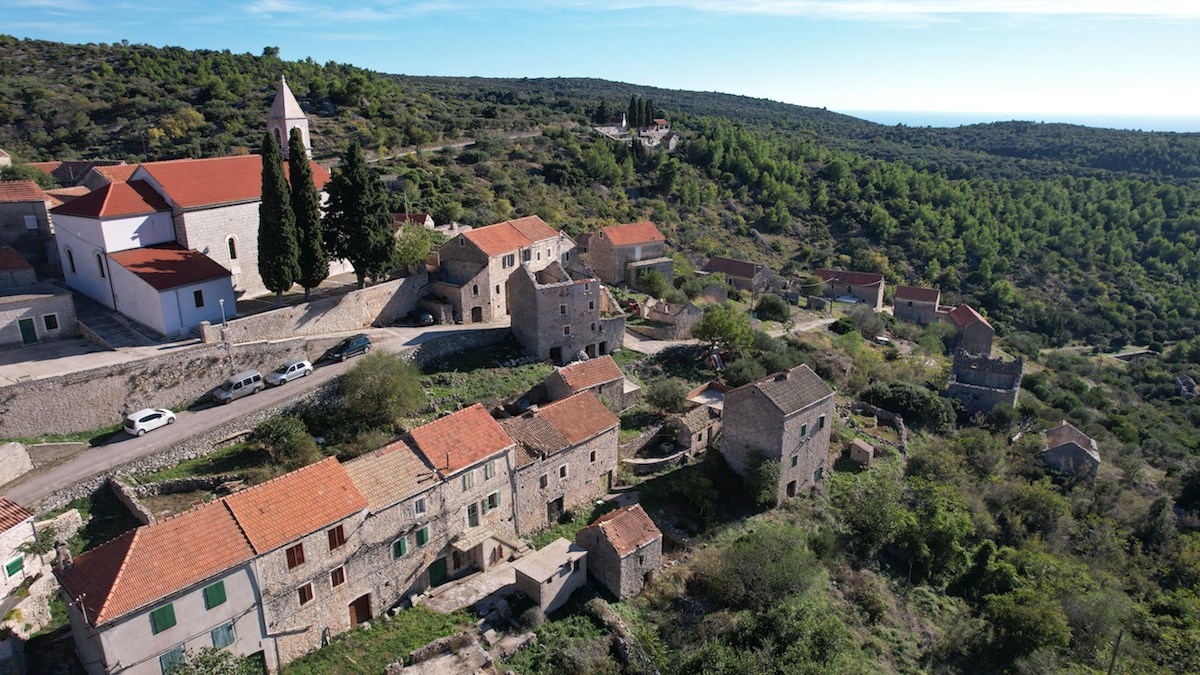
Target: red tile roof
point(295, 504)
point(460, 439)
point(197, 183)
point(579, 417)
point(918, 294)
point(631, 234)
point(62, 195)
point(12, 514)
point(167, 266)
point(627, 529)
point(584, 374)
point(965, 315)
point(115, 200)
point(119, 172)
point(732, 267)
point(510, 235)
point(145, 565)
point(389, 475)
point(851, 278)
point(21, 191)
point(11, 261)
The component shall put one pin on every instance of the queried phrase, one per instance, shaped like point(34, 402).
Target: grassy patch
point(359, 651)
point(104, 517)
point(92, 438)
point(636, 420)
point(575, 643)
point(580, 517)
point(479, 375)
point(246, 459)
point(58, 616)
point(626, 357)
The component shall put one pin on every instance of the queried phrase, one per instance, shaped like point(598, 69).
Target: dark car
point(422, 319)
point(351, 346)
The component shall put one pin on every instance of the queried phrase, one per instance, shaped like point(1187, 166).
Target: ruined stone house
point(751, 277)
point(786, 418)
point(1071, 453)
point(474, 267)
point(560, 319)
point(624, 550)
point(566, 458)
point(916, 304)
point(696, 429)
point(620, 254)
point(866, 287)
point(980, 383)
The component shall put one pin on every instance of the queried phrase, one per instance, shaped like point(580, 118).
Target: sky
point(1127, 63)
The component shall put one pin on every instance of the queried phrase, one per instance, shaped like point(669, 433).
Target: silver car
point(242, 384)
point(289, 371)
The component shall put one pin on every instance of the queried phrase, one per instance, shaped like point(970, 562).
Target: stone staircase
point(112, 328)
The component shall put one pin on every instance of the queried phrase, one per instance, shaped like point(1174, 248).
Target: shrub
point(667, 394)
point(744, 371)
point(287, 441)
point(654, 283)
point(762, 480)
point(758, 568)
point(381, 388)
point(773, 308)
point(917, 405)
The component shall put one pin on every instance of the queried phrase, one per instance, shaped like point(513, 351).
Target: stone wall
point(125, 495)
point(430, 352)
point(14, 462)
point(101, 396)
point(586, 480)
point(380, 304)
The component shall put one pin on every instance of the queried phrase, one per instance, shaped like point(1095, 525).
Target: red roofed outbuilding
point(975, 334)
point(866, 287)
point(622, 253)
point(624, 550)
point(601, 376)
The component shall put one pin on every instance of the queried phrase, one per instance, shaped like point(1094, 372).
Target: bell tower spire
point(286, 115)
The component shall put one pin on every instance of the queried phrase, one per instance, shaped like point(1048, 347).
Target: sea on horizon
point(1178, 123)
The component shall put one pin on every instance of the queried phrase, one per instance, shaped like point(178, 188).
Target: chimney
point(447, 460)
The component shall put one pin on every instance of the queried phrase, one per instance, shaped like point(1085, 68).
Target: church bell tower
point(286, 115)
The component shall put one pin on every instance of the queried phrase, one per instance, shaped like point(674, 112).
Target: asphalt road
point(122, 448)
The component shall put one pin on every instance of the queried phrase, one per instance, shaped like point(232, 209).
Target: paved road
point(122, 448)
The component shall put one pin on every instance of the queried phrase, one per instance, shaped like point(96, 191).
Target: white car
point(138, 423)
point(289, 371)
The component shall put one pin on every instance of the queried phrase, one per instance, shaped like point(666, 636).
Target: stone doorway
point(476, 315)
point(360, 610)
point(554, 510)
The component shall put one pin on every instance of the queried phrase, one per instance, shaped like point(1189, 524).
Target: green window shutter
point(422, 536)
point(162, 618)
point(214, 595)
point(804, 431)
point(12, 568)
point(400, 548)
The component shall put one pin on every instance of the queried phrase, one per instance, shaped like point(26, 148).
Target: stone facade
point(918, 305)
point(612, 263)
point(10, 540)
point(866, 287)
point(35, 244)
point(786, 418)
point(46, 309)
point(976, 338)
point(551, 575)
point(696, 429)
point(624, 561)
point(14, 462)
point(557, 318)
point(543, 493)
point(980, 383)
point(612, 393)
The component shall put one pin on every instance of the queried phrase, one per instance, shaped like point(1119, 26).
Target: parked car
point(148, 419)
point(351, 346)
point(422, 319)
point(289, 371)
point(242, 384)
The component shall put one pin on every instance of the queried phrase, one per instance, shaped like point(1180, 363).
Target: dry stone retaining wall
point(14, 462)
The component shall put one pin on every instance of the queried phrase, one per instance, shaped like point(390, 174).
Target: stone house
point(601, 376)
point(5, 158)
point(916, 304)
point(621, 253)
point(36, 313)
point(558, 318)
point(747, 276)
point(669, 321)
point(25, 224)
point(303, 527)
point(474, 267)
point(186, 582)
point(16, 529)
point(1072, 453)
point(70, 172)
point(477, 460)
point(696, 429)
point(866, 287)
point(975, 334)
point(786, 418)
point(551, 575)
point(980, 383)
point(99, 175)
point(424, 220)
point(624, 550)
point(566, 457)
point(861, 452)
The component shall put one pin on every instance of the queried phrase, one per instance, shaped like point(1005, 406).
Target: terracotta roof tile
point(197, 183)
point(12, 514)
point(698, 418)
point(965, 315)
point(150, 563)
point(167, 266)
point(791, 391)
point(1067, 433)
point(118, 172)
point(460, 439)
point(69, 172)
point(918, 294)
point(579, 417)
point(115, 200)
point(11, 261)
point(627, 529)
point(389, 475)
point(510, 235)
point(584, 374)
point(851, 278)
point(21, 191)
point(295, 504)
point(731, 267)
point(630, 234)
point(535, 436)
point(62, 195)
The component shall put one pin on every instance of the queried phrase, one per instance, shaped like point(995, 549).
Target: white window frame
point(57, 323)
point(419, 506)
point(31, 222)
point(468, 480)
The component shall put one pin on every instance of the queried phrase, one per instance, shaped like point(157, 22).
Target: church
point(177, 242)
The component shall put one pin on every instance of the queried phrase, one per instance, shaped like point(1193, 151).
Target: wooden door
point(437, 572)
point(28, 332)
point(360, 610)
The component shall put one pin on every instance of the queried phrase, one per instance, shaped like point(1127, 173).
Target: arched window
point(278, 138)
point(71, 261)
point(232, 248)
point(100, 264)
point(475, 289)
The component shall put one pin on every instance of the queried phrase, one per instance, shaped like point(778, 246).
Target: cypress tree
point(277, 253)
point(649, 111)
point(631, 117)
point(358, 224)
point(641, 113)
point(306, 205)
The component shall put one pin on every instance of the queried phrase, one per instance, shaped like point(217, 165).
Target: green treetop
point(358, 224)
point(306, 205)
point(277, 252)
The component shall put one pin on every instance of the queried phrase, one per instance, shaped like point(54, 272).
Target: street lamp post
point(225, 335)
